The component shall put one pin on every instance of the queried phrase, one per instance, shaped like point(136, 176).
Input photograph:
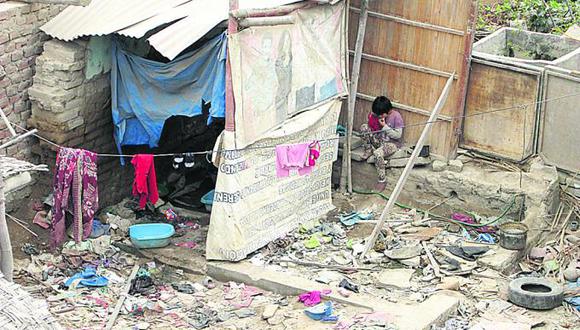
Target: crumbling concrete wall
point(20, 43)
point(71, 110)
point(485, 191)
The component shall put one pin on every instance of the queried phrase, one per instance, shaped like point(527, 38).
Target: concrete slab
point(416, 316)
point(181, 258)
point(17, 181)
point(398, 278)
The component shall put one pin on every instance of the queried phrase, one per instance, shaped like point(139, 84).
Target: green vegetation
point(547, 16)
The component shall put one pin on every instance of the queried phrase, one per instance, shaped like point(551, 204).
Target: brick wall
point(73, 111)
point(20, 43)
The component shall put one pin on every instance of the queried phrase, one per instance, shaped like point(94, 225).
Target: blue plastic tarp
point(145, 93)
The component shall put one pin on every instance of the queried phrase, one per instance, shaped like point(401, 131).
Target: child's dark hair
point(381, 105)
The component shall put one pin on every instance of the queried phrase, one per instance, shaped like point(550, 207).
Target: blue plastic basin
point(151, 235)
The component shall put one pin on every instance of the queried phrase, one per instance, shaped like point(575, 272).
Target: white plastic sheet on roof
point(133, 18)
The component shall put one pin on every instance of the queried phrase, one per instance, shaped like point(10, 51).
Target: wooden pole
point(346, 169)
point(60, 2)
point(230, 102)
point(456, 131)
point(18, 138)
point(121, 299)
point(403, 178)
point(6, 262)
point(7, 122)
point(278, 11)
point(266, 21)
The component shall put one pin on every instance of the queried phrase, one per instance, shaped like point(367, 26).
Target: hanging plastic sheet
point(280, 71)
point(145, 93)
point(251, 205)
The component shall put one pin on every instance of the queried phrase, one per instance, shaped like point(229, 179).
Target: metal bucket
point(513, 235)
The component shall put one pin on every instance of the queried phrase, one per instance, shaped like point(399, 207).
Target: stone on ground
point(357, 155)
point(269, 311)
point(399, 278)
point(438, 166)
point(456, 165)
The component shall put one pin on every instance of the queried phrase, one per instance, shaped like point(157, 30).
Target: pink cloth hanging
point(76, 175)
point(313, 153)
point(300, 157)
point(291, 157)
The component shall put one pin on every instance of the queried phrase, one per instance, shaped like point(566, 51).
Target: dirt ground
point(231, 305)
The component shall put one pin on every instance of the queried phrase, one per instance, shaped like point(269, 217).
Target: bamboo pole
point(411, 22)
point(61, 2)
point(122, 297)
point(278, 11)
point(266, 21)
point(7, 122)
point(406, 65)
point(406, 107)
point(18, 138)
point(230, 101)
point(403, 178)
point(346, 169)
point(6, 262)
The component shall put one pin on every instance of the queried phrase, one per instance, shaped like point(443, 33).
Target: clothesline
point(211, 152)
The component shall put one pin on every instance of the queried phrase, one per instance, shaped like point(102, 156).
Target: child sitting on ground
point(382, 136)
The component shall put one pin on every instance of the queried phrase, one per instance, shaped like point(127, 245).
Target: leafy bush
point(549, 16)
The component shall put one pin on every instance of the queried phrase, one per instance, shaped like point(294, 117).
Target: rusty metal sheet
point(508, 133)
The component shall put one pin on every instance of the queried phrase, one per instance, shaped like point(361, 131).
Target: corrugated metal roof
point(167, 16)
point(175, 38)
point(204, 16)
point(103, 17)
point(133, 18)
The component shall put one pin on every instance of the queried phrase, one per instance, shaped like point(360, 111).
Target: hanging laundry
point(313, 153)
point(299, 157)
point(189, 160)
point(145, 184)
point(76, 170)
point(292, 157)
point(178, 160)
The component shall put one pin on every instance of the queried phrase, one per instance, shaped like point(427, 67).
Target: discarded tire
point(535, 293)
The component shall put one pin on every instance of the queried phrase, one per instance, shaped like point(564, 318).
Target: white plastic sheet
point(252, 206)
point(279, 71)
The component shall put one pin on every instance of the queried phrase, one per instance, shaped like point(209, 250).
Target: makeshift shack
point(163, 66)
point(508, 69)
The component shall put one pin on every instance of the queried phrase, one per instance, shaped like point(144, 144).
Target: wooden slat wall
point(443, 51)
point(506, 134)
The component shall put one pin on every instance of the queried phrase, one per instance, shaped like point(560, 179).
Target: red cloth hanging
point(145, 183)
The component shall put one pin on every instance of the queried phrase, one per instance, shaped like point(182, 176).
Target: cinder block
point(66, 51)
point(46, 95)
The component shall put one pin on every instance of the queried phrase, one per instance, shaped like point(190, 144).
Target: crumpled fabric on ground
point(76, 175)
point(313, 298)
point(469, 220)
point(574, 301)
point(87, 278)
point(469, 253)
point(145, 183)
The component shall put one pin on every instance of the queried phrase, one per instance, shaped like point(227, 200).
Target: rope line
point(211, 152)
